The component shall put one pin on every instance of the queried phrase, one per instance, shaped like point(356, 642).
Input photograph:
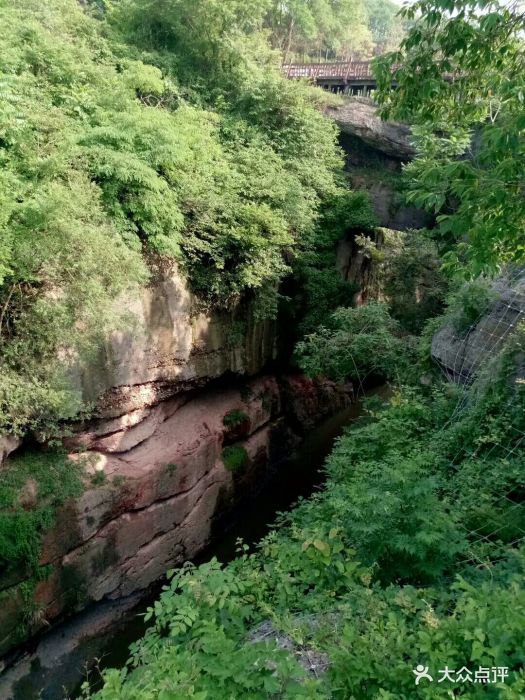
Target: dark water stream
point(300, 476)
point(253, 520)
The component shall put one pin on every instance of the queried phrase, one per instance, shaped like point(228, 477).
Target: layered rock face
point(358, 117)
point(375, 151)
point(169, 454)
point(165, 481)
point(462, 354)
point(171, 345)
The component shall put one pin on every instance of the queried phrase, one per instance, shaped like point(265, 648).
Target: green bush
point(383, 635)
point(234, 417)
point(355, 344)
point(468, 304)
point(235, 458)
point(172, 468)
point(99, 478)
point(383, 569)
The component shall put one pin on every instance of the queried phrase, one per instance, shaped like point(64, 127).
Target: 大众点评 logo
point(483, 675)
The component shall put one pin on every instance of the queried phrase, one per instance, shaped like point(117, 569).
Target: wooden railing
point(347, 71)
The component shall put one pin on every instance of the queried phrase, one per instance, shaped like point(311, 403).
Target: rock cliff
point(375, 152)
point(167, 454)
point(358, 117)
point(171, 345)
point(461, 354)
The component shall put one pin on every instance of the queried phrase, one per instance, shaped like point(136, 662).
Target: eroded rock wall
point(375, 152)
point(358, 117)
point(170, 345)
point(155, 484)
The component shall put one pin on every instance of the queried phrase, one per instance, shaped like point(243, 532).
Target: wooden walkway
point(353, 70)
point(351, 76)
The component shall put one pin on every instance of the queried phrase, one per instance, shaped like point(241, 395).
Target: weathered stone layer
point(155, 484)
point(358, 117)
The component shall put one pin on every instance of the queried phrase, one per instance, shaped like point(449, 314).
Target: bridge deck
point(348, 72)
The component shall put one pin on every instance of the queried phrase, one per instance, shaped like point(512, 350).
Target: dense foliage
point(322, 29)
point(385, 24)
point(400, 268)
point(460, 74)
point(413, 552)
point(143, 134)
point(55, 296)
point(146, 134)
point(333, 29)
point(356, 343)
point(33, 485)
point(317, 287)
point(413, 282)
point(408, 555)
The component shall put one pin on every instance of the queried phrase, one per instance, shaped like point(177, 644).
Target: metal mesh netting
point(488, 363)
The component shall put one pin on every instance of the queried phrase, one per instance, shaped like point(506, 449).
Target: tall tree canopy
point(385, 24)
point(461, 79)
point(333, 29)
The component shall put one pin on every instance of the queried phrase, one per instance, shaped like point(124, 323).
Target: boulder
point(358, 117)
point(8, 444)
point(462, 354)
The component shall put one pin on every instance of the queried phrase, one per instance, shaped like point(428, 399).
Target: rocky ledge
point(157, 480)
point(358, 117)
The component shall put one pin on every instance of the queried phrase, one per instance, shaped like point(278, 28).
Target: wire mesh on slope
point(490, 359)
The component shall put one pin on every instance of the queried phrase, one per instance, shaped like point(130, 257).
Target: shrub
point(355, 344)
point(413, 282)
point(235, 458)
point(235, 417)
point(171, 468)
point(99, 477)
point(469, 303)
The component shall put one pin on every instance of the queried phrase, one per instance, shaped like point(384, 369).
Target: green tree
point(354, 344)
point(385, 25)
point(201, 42)
point(153, 130)
point(459, 74)
point(319, 28)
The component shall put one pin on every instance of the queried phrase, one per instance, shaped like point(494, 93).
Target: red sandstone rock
point(164, 482)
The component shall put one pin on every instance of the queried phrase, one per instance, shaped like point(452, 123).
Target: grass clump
point(171, 468)
point(235, 458)
point(234, 418)
point(99, 478)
